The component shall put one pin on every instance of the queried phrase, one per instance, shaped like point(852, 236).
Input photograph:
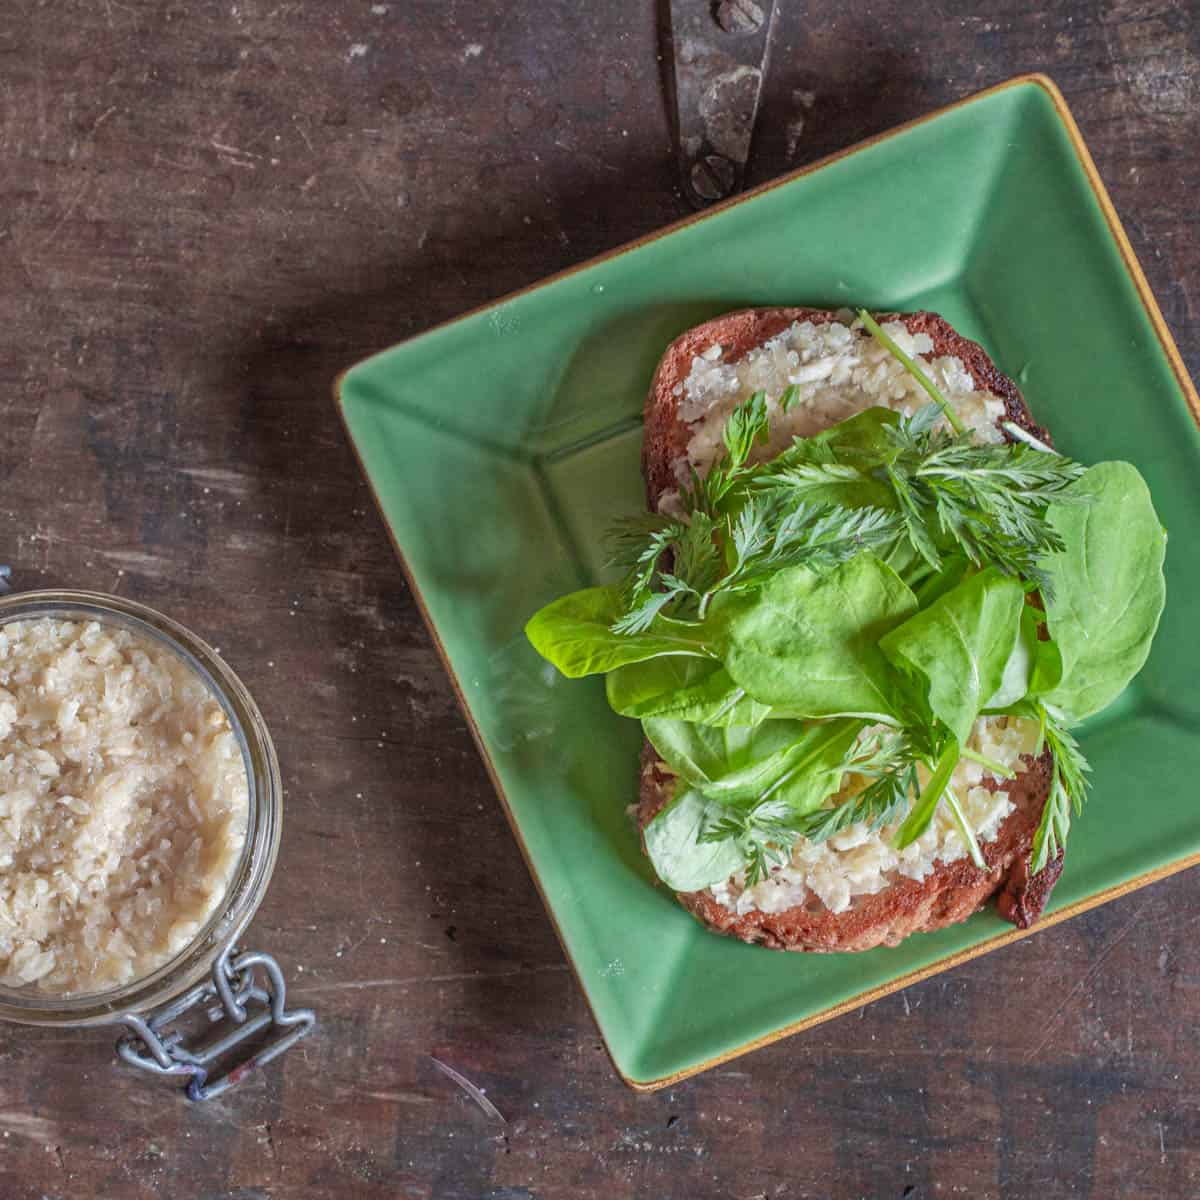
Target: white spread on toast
point(840, 371)
point(858, 862)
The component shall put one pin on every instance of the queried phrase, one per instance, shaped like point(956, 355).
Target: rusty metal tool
point(718, 54)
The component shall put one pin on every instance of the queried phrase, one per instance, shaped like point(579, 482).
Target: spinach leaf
point(948, 576)
point(734, 762)
point(908, 564)
point(575, 634)
point(863, 435)
point(1108, 589)
point(809, 644)
point(681, 860)
point(705, 836)
point(814, 768)
point(1034, 667)
point(689, 689)
point(960, 646)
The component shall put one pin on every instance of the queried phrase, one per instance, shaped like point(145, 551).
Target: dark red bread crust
point(952, 891)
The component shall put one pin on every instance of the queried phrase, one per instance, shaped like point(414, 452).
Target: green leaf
point(673, 842)
point(728, 835)
point(1108, 589)
point(734, 762)
point(1033, 668)
point(773, 534)
point(864, 435)
point(809, 644)
point(747, 424)
point(960, 646)
point(1068, 790)
point(922, 811)
point(887, 760)
point(689, 689)
point(575, 634)
point(945, 579)
point(813, 769)
point(832, 467)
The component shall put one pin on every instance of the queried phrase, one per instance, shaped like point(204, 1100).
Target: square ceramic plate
point(501, 445)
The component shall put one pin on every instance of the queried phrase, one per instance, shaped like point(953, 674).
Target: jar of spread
point(140, 815)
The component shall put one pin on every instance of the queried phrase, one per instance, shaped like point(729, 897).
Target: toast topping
point(860, 861)
point(815, 376)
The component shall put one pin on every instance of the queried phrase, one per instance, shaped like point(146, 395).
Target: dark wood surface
point(209, 209)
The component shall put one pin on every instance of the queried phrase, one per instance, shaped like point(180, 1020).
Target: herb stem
point(996, 768)
point(876, 331)
point(964, 829)
point(922, 811)
point(1023, 435)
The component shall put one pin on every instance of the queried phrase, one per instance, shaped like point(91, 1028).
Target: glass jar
point(209, 968)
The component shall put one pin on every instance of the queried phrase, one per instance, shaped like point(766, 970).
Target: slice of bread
point(951, 892)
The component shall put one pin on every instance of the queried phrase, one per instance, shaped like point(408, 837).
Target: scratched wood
point(206, 211)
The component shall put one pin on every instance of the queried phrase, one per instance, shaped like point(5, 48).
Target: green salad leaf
point(677, 851)
point(1033, 668)
point(576, 635)
point(886, 759)
point(689, 689)
point(808, 643)
point(1068, 789)
point(949, 575)
point(960, 646)
point(1108, 589)
point(764, 826)
point(922, 811)
point(732, 762)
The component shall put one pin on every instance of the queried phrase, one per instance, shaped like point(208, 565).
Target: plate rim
point(1183, 379)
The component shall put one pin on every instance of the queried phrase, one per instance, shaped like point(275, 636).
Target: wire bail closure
point(243, 1001)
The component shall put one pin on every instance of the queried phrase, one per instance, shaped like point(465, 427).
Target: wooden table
point(208, 210)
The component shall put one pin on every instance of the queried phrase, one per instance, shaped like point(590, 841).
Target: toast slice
point(952, 891)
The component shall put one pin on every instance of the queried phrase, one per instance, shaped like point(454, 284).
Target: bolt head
point(713, 177)
point(739, 16)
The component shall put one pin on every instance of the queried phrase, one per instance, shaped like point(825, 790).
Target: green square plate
point(501, 445)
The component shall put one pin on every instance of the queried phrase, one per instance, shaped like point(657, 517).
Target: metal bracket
point(718, 52)
point(243, 1002)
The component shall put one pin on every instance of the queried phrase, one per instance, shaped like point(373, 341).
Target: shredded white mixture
point(860, 863)
point(123, 805)
point(840, 371)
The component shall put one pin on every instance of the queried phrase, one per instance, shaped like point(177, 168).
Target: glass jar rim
point(256, 862)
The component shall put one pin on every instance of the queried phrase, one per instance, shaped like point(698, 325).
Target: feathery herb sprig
point(1068, 790)
point(989, 501)
point(888, 760)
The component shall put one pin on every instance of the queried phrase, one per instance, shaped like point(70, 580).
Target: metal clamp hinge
point(251, 1008)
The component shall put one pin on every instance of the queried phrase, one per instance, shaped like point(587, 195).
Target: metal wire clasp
point(244, 1002)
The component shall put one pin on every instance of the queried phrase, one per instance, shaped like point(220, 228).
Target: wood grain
point(206, 211)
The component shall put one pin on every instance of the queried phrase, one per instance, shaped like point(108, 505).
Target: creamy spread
point(123, 805)
point(837, 372)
